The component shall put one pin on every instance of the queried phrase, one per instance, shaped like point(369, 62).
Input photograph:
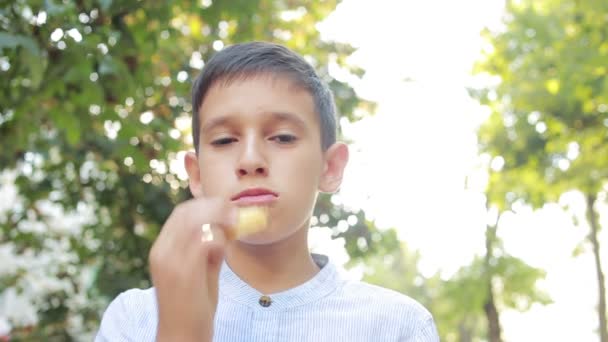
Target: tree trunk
point(490, 305)
point(593, 219)
point(464, 332)
point(493, 320)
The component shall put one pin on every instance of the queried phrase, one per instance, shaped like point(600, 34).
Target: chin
point(261, 239)
point(267, 237)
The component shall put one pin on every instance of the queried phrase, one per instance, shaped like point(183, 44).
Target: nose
point(252, 161)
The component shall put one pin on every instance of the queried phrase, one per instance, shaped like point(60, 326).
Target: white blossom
point(50, 274)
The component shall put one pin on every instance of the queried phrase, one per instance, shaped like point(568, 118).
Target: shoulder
point(377, 296)
point(131, 314)
point(137, 299)
point(391, 308)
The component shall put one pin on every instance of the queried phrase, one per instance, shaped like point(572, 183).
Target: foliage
point(94, 111)
point(547, 132)
point(550, 108)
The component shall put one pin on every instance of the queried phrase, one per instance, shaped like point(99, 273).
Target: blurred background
point(478, 129)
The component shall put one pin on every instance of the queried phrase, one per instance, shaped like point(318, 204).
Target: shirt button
point(265, 301)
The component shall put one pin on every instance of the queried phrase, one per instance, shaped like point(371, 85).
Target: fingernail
point(207, 233)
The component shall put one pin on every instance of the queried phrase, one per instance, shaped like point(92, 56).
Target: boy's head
point(242, 61)
point(264, 129)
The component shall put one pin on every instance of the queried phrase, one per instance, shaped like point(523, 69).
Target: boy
point(264, 129)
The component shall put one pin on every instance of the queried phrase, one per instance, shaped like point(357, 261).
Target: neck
point(273, 267)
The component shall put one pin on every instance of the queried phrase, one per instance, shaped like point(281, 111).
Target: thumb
point(216, 250)
point(215, 258)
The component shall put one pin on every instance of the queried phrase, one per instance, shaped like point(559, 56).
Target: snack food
point(250, 220)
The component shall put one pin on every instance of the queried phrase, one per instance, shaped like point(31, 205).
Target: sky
point(409, 161)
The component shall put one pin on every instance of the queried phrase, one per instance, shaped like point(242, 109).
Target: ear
point(194, 174)
point(335, 160)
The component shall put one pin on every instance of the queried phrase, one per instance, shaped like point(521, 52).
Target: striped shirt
point(326, 308)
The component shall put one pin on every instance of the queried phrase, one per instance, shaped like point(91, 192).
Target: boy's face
point(262, 134)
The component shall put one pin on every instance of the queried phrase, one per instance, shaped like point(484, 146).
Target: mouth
point(255, 196)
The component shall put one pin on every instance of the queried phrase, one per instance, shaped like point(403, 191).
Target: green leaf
point(53, 9)
point(578, 250)
point(37, 67)
point(8, 40)
point(68, 123)
point(552, 86)
point(65, 112)
point(108, 66)
point(105, 4)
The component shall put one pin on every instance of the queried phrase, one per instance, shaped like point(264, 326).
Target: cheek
point(303, 175)
point(210, 172)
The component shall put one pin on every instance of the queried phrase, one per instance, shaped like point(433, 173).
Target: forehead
point(247, 96)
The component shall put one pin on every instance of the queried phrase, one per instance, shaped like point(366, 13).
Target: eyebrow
point(275, 116)
point(216, 122)
point(288, 117)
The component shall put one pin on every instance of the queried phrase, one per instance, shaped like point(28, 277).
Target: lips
point(255, 196)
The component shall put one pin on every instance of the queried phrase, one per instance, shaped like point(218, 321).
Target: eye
point(284, 138)
point(223, 141)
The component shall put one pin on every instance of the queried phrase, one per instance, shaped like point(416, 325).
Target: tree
point(94, 112)
point(509, 282)
point(468, 305)
point(547, 129)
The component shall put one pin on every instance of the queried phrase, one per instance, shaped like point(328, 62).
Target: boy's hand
point(185, 269)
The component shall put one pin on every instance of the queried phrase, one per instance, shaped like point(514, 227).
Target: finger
point(211, 248)
point(193, 214)
point(206, 233)
point(215, 259)
point(215, 256)
point(210, 255)
point(214, 240)
point(219, 232)
point(208, 210)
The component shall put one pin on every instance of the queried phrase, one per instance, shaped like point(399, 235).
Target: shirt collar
point(323, 283)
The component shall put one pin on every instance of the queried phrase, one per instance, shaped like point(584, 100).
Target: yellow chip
point(251, 220)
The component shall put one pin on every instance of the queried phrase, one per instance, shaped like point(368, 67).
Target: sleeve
point(427, 332)
point(115, 324)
